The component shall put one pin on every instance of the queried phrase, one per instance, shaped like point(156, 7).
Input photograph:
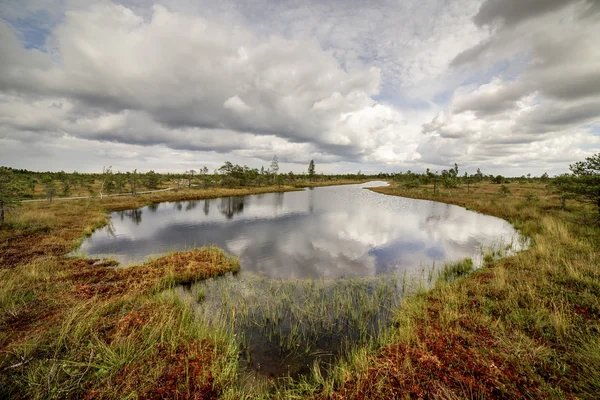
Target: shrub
point(531, 197)
point(504, 190)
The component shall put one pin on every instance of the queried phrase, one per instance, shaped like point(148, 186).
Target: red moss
point(464, 359)
point(185, 374)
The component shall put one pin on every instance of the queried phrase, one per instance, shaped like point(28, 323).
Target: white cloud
point(542, 115)
point(187, 82)
point(347, 84)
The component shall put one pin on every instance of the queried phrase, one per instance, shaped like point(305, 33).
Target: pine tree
point(10, 191)
point(311, 170)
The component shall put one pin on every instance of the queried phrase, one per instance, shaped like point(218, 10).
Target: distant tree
point(65, 181)
point(132, 178)
point(498, 179)
point(275, 165)
point(279, 180)
point(152, 179)
point(11, 189)
point(585, 182)
point(566, 187)
point(205, 178)
point(191, 172)
point(106, 175)
point(479, 175)
point(413, 183)
point(311, 170)
point(226, 169)
point(110, 185)
point(467, 179)
point(50, 189)
point(544, 177)
point(66, 187)
point(234, 175)
point(120, 181)
point(449, 178)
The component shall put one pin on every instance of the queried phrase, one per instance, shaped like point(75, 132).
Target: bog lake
point(322, 270)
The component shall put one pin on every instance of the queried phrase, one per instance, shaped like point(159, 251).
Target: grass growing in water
point(284, 326)
point(453, 271)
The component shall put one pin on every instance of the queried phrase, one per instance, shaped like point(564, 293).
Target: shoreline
point(440, 341)
point(518, 327)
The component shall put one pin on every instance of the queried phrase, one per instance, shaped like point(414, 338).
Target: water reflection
point(231, 206)
point(330, 232)
point(134, 215)
point(191, 205)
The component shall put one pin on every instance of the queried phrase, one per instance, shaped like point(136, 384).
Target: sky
point(508, 86)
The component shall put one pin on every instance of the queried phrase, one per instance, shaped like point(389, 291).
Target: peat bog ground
point(521, 326)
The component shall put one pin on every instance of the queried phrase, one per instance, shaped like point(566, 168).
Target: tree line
point(582, 183)
point(20, 184)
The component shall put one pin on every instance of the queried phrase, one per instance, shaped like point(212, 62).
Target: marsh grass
point(284, 326)
point(453, 271)
point(516, 328)
point(76, 327)
point(522, 326)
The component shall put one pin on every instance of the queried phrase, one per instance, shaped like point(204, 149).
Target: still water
point(322, 270)
point(326, 232)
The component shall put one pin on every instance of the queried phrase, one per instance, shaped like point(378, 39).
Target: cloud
point(351, 85)
point(512, 12)
point(553, 99)
point(190, 83)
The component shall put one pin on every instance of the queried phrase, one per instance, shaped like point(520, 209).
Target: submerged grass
point(284, 327)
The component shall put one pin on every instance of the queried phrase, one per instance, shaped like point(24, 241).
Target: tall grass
point(514, 329)
point(522, 326)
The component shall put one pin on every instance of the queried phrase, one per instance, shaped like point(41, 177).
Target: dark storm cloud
point(512, 12)
point(551, 117)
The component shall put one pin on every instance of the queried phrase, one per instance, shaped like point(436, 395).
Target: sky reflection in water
point(327, 232)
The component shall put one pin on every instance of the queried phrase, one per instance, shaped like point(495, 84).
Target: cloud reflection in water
point(327, 232)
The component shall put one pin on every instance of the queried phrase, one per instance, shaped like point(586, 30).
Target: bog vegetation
point(522, 326)
point(23, 184)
